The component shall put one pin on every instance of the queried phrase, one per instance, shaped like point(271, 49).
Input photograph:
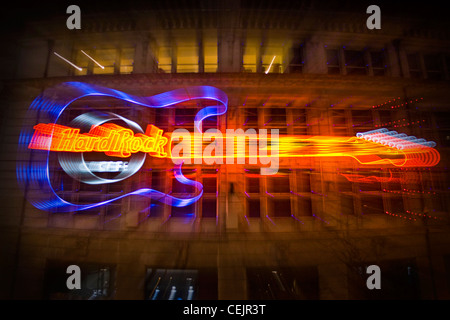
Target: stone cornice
point(283, 85)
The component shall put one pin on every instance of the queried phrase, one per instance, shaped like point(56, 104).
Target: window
point(187, 59)
point(354, 62)
point(185, 117)
point(253, 208)
point(372, 204)
point(210, 185)
point(112, 211)
point(443, 124)
point(165, 59)
point(250, 117)
point(276, 283)
point(433, 66)
point(276, 117)
point(299, 121)
point(181, 188)
point(249, 57)
point(278, 184)
point(303, 181)
point(447, 64)
point(180, 284)
point(399, 280)
point(347, 206)
point(209, 199)
point(279, 208)
point(272, 59)
point(172, 284)
point(371, 185)
point(183, 212)
point(97, 281)
point(209, 208)
point(304, 206)
point(339, 122)
point(162, 116)
point(126, 60)
point(362, 120)
point(377, 61)
point(415, 69)
point(343, 184)
point(158, 179)
point(82, 61)
point(296, 63)
point(209, 123)
point(210, 53)
point(106, 58)
point(396, 204)
point(333, 61)
point(385, 117)
point(252, 185)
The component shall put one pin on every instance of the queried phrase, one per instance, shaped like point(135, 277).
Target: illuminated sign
point(33, 168)
point(379, 146)
point(106, 166)
point(109, 138)
point(96, 133)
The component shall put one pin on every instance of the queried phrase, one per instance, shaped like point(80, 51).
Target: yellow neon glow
point(115, 140)
point(363, 151)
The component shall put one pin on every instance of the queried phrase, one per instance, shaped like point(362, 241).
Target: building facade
point(307, 232)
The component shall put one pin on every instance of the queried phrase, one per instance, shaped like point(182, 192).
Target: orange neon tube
point(118, 141)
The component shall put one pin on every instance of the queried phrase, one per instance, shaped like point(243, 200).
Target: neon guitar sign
point(94, 132)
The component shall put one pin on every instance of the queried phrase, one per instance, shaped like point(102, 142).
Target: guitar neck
point(366, 152)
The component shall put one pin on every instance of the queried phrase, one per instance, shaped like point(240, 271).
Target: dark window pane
point(413, 61)
point(377, 59)
point(178, 187)
point(332, 57)
point(277, 116)
point(362, 118)
point(347, 206)
point(354, 58)
point(183, 212)
point(210, 185)
point(296, 63)
point(185, 116)
point(251, 117)
point(304, 206)
point(278, 184)
point(372, 205)
point(415, 69)
point(172, 284)
point(338, 118)
point(303, 181)
point(253, 208)
point(161, 118)
point(299, 117)
point(396, 205)
point(432, 62)
point(280, 208)
point(209, 207)
point(385, 117)
point(252, 185)
point(283, 283)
